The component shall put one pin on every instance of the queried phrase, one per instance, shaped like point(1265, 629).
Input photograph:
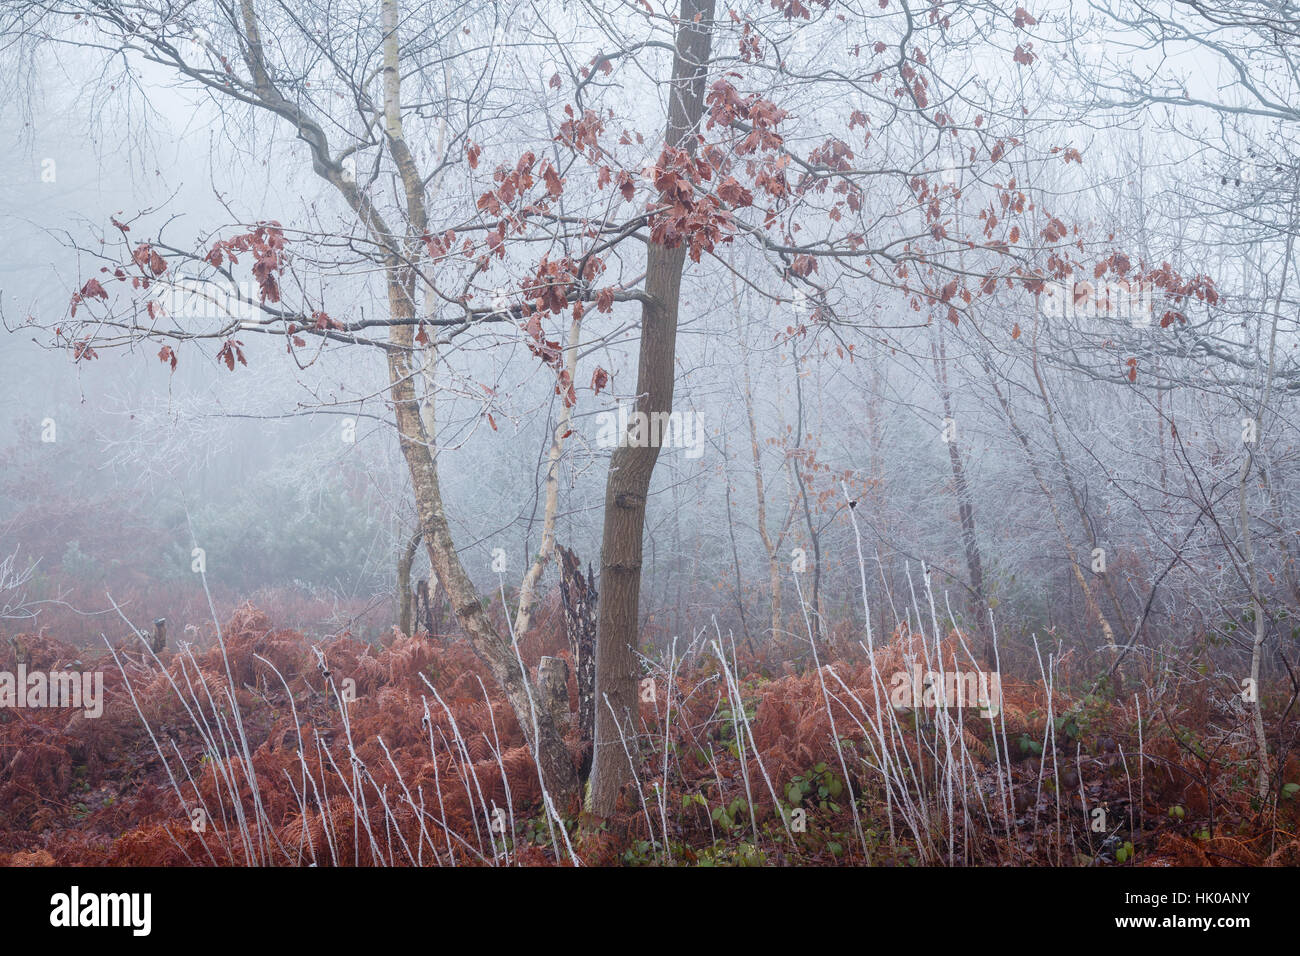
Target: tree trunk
point(528, 589)
point(1089, 599)
point(416, 434)
point(552, 755)
point(814, 538)
point(579, 597)
point(771, 547)
point(424, 607)
point(965, 505)
point(553, 688)
point(415, 425)
point(630, 468)
point(1247, 543)
point(404, 562)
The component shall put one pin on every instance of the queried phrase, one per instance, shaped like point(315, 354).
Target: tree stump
point(159, 640)
point(553, 689)
point(578, 595)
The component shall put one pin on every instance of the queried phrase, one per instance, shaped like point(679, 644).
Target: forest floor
point(743, 762)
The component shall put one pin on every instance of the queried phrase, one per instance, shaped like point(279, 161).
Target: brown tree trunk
point(404, 562)
point(553, 688)
point(424, 607)
point(630, 467)
point(579, 597)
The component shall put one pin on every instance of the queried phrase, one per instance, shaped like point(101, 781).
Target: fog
point(1025, 417)
point(644, 411)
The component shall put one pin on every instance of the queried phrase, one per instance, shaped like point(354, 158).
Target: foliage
point(329, 773)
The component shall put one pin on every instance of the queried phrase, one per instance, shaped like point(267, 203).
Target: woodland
point(650, 433)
